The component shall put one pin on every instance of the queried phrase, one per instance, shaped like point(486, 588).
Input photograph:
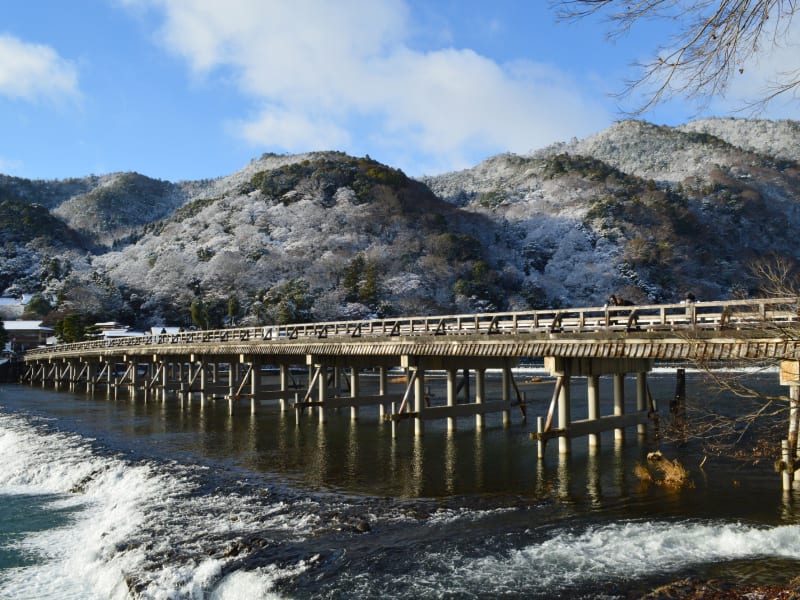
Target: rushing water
point(104, 498)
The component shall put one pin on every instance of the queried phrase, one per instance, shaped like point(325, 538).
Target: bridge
point(229, 364)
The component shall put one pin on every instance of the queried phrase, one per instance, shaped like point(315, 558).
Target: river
point(105, 498)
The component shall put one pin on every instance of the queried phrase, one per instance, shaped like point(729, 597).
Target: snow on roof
point(119, 333)
point(159, 329)
point(25, 326)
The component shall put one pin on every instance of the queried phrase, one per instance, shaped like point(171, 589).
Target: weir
point(592, 343)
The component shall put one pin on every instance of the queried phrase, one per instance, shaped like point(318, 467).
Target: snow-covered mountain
point(641, 210)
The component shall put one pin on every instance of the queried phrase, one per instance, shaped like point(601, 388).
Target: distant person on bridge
point(618, 301)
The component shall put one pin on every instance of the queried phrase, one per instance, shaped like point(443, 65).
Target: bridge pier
point(452, 408)
point(419, 399)
point(790, 449)
point(593, 408)
point(592, 368)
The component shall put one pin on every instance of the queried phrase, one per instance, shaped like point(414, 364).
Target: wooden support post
point(480, 391)
point(419, 401)
point(131, 374)
point(91, 373)
point(593, 401)
point(564, 417)
point(619, 402)
point(506, 393)
point(641, 400)
point(233, 376)
point(322, 390)
point(467, 395)
point(382, 392)
point(452, 375)
point(163, 382)
point(540, 442)
point(354, 391)
point(677, 407)
point(255, 377)
point(73, 373)
point(794, 414)
point(109, 377)
point(203, 382)
point(284, 384)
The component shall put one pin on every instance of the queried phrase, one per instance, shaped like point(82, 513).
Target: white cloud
point(317, 69)
point(34, 72)
point(294, 131)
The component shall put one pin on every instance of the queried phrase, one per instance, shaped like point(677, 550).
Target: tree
point(71, 328)
point(290, 302)
point(199, 314)
point(3, 336)
point(753, 430)
point(38, 305)
point(233, 309)
point(714, 41)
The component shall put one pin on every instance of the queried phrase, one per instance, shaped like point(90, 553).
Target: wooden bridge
point(574, 342)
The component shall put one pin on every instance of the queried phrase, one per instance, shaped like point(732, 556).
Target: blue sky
point(181, 90)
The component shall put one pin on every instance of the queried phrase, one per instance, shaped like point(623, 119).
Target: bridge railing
point(772, 313)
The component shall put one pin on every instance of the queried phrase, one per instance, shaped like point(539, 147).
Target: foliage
point(198, 311)
point(583, 166)
point(482, 285)
point(188, 210)
point(655, 210)
point(234, 308)
point(325, 176)
point(38, 305)
point(22, 222)
point(72, 328)
point(290, 302)
point(360, 281)
point(455, 247)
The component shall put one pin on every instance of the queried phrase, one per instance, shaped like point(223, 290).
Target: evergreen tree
point(233, 309)
point(71, 328)
point(199, 314)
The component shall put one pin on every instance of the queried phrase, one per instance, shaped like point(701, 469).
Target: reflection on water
point(362, 457)
point(450, 463)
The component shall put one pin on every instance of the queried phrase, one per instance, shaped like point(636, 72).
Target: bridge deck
point(703, 330)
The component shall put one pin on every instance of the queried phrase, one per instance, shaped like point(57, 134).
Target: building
point(23, 335)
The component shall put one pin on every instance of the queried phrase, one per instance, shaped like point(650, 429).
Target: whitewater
point(104, 499)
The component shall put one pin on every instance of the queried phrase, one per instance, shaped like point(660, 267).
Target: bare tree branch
point(715, 41)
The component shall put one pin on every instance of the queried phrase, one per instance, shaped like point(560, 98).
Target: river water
point(118, 498)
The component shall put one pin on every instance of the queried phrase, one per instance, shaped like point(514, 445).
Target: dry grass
point(662, 471)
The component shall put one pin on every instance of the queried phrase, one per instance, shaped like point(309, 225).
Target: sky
point(194, 89)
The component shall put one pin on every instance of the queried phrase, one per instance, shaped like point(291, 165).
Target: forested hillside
point(645, 211)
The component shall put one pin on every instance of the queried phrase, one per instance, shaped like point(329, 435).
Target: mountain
point(118, 205)
point(646, 211)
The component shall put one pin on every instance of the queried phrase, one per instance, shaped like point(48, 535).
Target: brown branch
point(714, 41)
